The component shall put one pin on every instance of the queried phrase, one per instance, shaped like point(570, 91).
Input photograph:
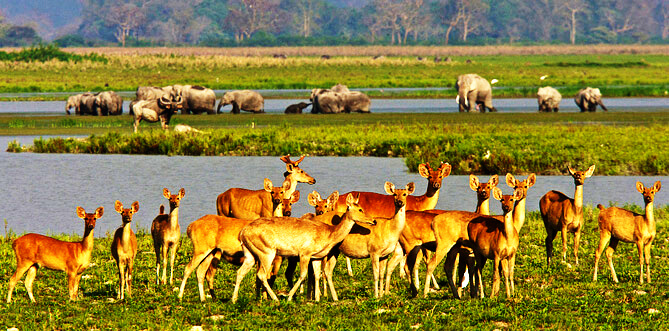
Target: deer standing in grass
point(617, 224)
point(266, 238)
point(124, 248)
point(563, 214)
point(166, 233)
point(492, 239)
point(35, 250)
point(378, 242)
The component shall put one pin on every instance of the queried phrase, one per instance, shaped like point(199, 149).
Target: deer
point(322, 206)
point(483, 192)
point(377, 243)
point(124, 248)
point(166, 234)
point(35, 250)
point(492, 239)
point(266, 238)
point(617, 224)
point(295, 174)
point(252, 204)
point(563, 214)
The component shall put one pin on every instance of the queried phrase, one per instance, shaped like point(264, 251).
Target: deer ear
point(118, 206)
point(267, 184)
point(474, 182)
point(510, 180)
point(445, 169)
point(350, 200)
point(497, 193)
point(494, 180)
point(295, 197)
point(411, 187)
point(81, 213)
point(166, 193)
point(639, 187)
point(99, 212)
point(590, 171)
point(531, 180)
point(182, 193)
point(135, 206)
point(289, 167)
point(313, 198)
point(657, 186)
point(389, 187)
point(423, 171)
point(332, 199)
point(286, 185)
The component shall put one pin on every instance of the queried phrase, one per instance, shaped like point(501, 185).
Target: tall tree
point(568, 10)
point(249, 16)
point(124, 17)
point(472, 16)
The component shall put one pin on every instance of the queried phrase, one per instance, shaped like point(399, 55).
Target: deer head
point(580, 176)
point(126, 213)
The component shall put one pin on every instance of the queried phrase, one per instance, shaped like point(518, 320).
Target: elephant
point(317, 91)
point(108, 103)
point(196, 99)
point(474, 89)
point(87, 105)
point(73, 102)
point(160, 109)
point(297, 108)
point(245, 100)
point(548, 99)
point(355, 101)
point(588, 98)
point(328, 102)
point(151, 92)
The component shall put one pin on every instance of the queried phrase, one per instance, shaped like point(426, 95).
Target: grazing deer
point(378, 242)
point(35, 250)
point(563, 214)
point(496, 240)
point(166, 233)
point(249, 204)
point(266, 238)
point(124, 248)
point(617, 224)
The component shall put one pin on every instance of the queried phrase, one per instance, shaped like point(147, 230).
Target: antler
point(286, 159)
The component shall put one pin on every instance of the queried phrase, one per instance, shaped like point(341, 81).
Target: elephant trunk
point(601, 104)
point(462, 100)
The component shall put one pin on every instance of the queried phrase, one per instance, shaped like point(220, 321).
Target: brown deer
point(492, 239)
point(166, 233)
point(294, 174)
point(617, 224)
point(378, 242)
point(124, 248)
point(322, 206)
point(265, 238)
point(35, 250)
point(252, 204)
point(483, 192)
point(563, 214)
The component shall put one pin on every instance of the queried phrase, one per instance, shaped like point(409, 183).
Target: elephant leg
point(472, 102)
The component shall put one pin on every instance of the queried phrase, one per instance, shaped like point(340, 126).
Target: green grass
point(558, 297)
point(618, 143)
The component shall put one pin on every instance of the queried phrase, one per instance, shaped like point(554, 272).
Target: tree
point(412, 18)
point(125, 17)
point(568, 9)
point(249, 16)
point(472, 15)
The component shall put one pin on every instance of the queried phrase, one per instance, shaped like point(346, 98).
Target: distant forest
point(351, 22)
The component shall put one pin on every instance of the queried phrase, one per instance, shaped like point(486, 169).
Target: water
point(41, 191)
point(526, 105)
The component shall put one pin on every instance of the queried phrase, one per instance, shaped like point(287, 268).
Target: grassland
point(492, 143)
point(618, 71)
point(557, 297)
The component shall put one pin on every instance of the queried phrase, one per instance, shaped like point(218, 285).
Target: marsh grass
point(561, 296)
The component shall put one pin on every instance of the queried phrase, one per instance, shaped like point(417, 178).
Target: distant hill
point(51, 17)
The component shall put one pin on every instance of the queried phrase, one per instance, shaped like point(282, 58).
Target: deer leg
point(128, 277)
point(249, 262)
point(512, 263)
point(495, 277)
point(315, 268)
point(30, 277)
point(201, 273)
point(550, 236)
point(577, 242)
point(564, 233)
point(449, 267)
point(647, 256)
point(426, 255)
point(480, 263)
point(348, 266)
point(412, 258)
point(264, 270)
point(173, 255)
point(72, 285)
point(505, 271)
point(383, 263)
point(397, 258)
point(609, 256)
point(20, 270)
point(604, 238)
point(440, 252)
point(290, 270)
point(640, 248)
point(304, 270)
point(196, 261)
point(121, 280)
point(164, 253)
point(211, 272)
point(329, 267)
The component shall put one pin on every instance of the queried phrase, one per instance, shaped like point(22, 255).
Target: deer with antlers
point(166, 234)
point(294, 174)
point(35, 250)
point(266, 238)
point(124, 248)
point(563, 214)
point(617, 224)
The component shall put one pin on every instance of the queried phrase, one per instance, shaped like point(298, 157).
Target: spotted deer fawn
point(563, 214)
point(35, 250)
point(166, 233)
point(124, 248)
point(617, 224)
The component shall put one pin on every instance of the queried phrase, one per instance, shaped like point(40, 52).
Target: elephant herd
point(100, 104)
point(475, 90)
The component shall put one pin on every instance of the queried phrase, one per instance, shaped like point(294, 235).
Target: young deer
point(498, 241)
point(263, 239)
point(35, 250)
point(124, 248)
point(617, 224)
point(166, 233)
point(563, 214)
point(378, 242)
point(249, 204)
point(483, 192)
point(322, 206)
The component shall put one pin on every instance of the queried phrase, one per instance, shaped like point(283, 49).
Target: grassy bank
point(616, 74)
point(618, 143)
point(561, 296)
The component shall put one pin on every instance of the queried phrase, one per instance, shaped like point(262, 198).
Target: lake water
point(41, 191)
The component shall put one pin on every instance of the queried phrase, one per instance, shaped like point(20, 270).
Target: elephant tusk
point(457, 99)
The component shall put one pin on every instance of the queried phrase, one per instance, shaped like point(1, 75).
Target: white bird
point(493, 81)
point(543, 77)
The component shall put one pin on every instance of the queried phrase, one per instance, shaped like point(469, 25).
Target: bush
point(44, 53)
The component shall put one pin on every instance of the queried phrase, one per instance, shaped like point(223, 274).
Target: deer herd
point(253, 229)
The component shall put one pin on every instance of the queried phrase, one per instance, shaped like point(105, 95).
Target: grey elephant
point(245, 100)
point(317, 91)
point(73, 102)
point(196, 99)
point(355, 101)
point(108, 103)
point(328, 102)
point(151, 92)
point(296, 108)
point(549, 99)
point(87, 105)
point(473, 90)
point(588, 98)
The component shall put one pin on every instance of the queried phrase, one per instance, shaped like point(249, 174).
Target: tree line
point(388, 22)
